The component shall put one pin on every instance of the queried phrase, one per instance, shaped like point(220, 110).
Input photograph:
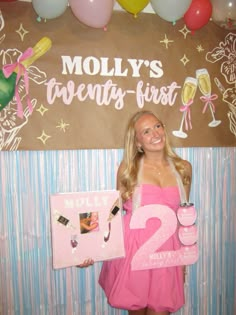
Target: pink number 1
point(146, 256)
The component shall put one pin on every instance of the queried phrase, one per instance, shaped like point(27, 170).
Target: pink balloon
point(94, 13)
point(198, 14)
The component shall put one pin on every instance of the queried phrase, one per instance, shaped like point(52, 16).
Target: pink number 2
point(146, 256)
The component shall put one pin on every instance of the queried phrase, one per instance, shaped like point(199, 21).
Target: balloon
point(49, 9)
point(224, 13)
point(170, 10)
point(133, 6)
point(95, 13)
point(198, 14)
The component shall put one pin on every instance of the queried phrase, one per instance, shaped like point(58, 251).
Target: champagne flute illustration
point(204, 84)
point(187, 96)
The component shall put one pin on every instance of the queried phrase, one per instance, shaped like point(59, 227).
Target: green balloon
point(7, 89)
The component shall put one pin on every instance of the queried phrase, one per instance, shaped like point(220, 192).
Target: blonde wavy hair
point(132, 157)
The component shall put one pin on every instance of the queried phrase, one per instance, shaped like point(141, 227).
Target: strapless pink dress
point(160, 289)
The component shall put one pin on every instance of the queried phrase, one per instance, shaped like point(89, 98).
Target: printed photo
point(89, 222)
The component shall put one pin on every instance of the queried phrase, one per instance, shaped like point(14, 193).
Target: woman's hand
point(86, 263)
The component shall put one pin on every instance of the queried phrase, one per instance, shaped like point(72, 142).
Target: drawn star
point(166, 41)
point(22, 32)
point(44, 137)
point(199, 48)
point(185, 31)
point(62, 125)
point(184, 60)
point(42, 110)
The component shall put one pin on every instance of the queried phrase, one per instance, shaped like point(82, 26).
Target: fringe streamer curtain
point(29, 285)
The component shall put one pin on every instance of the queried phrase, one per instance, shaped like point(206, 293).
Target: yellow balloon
point(133, 6)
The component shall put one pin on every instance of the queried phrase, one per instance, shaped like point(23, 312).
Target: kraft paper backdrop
point(168, 52)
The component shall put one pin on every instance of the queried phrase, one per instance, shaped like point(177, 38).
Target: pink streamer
point(9, 69)
point(208, 101)
point(187, 117)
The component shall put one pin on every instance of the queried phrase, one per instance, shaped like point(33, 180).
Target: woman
point(147, 175)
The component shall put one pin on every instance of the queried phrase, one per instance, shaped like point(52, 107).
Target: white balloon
point(49, 9)
point(224, 13)
point(170, 10)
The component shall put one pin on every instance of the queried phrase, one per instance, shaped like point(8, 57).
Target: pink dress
point(160, 289)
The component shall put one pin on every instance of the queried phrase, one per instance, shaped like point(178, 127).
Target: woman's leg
point(138, 312)
point(152, 312)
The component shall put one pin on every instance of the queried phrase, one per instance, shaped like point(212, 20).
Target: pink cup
point(188, 235)
point(187, 214)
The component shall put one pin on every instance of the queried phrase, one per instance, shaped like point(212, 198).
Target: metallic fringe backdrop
point(29, 285)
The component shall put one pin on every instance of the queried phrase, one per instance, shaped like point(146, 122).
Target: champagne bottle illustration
point(11, 74)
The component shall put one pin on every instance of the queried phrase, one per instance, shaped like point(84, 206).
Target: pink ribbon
point(21, 71)
point(208, 101)
point(187, 116)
